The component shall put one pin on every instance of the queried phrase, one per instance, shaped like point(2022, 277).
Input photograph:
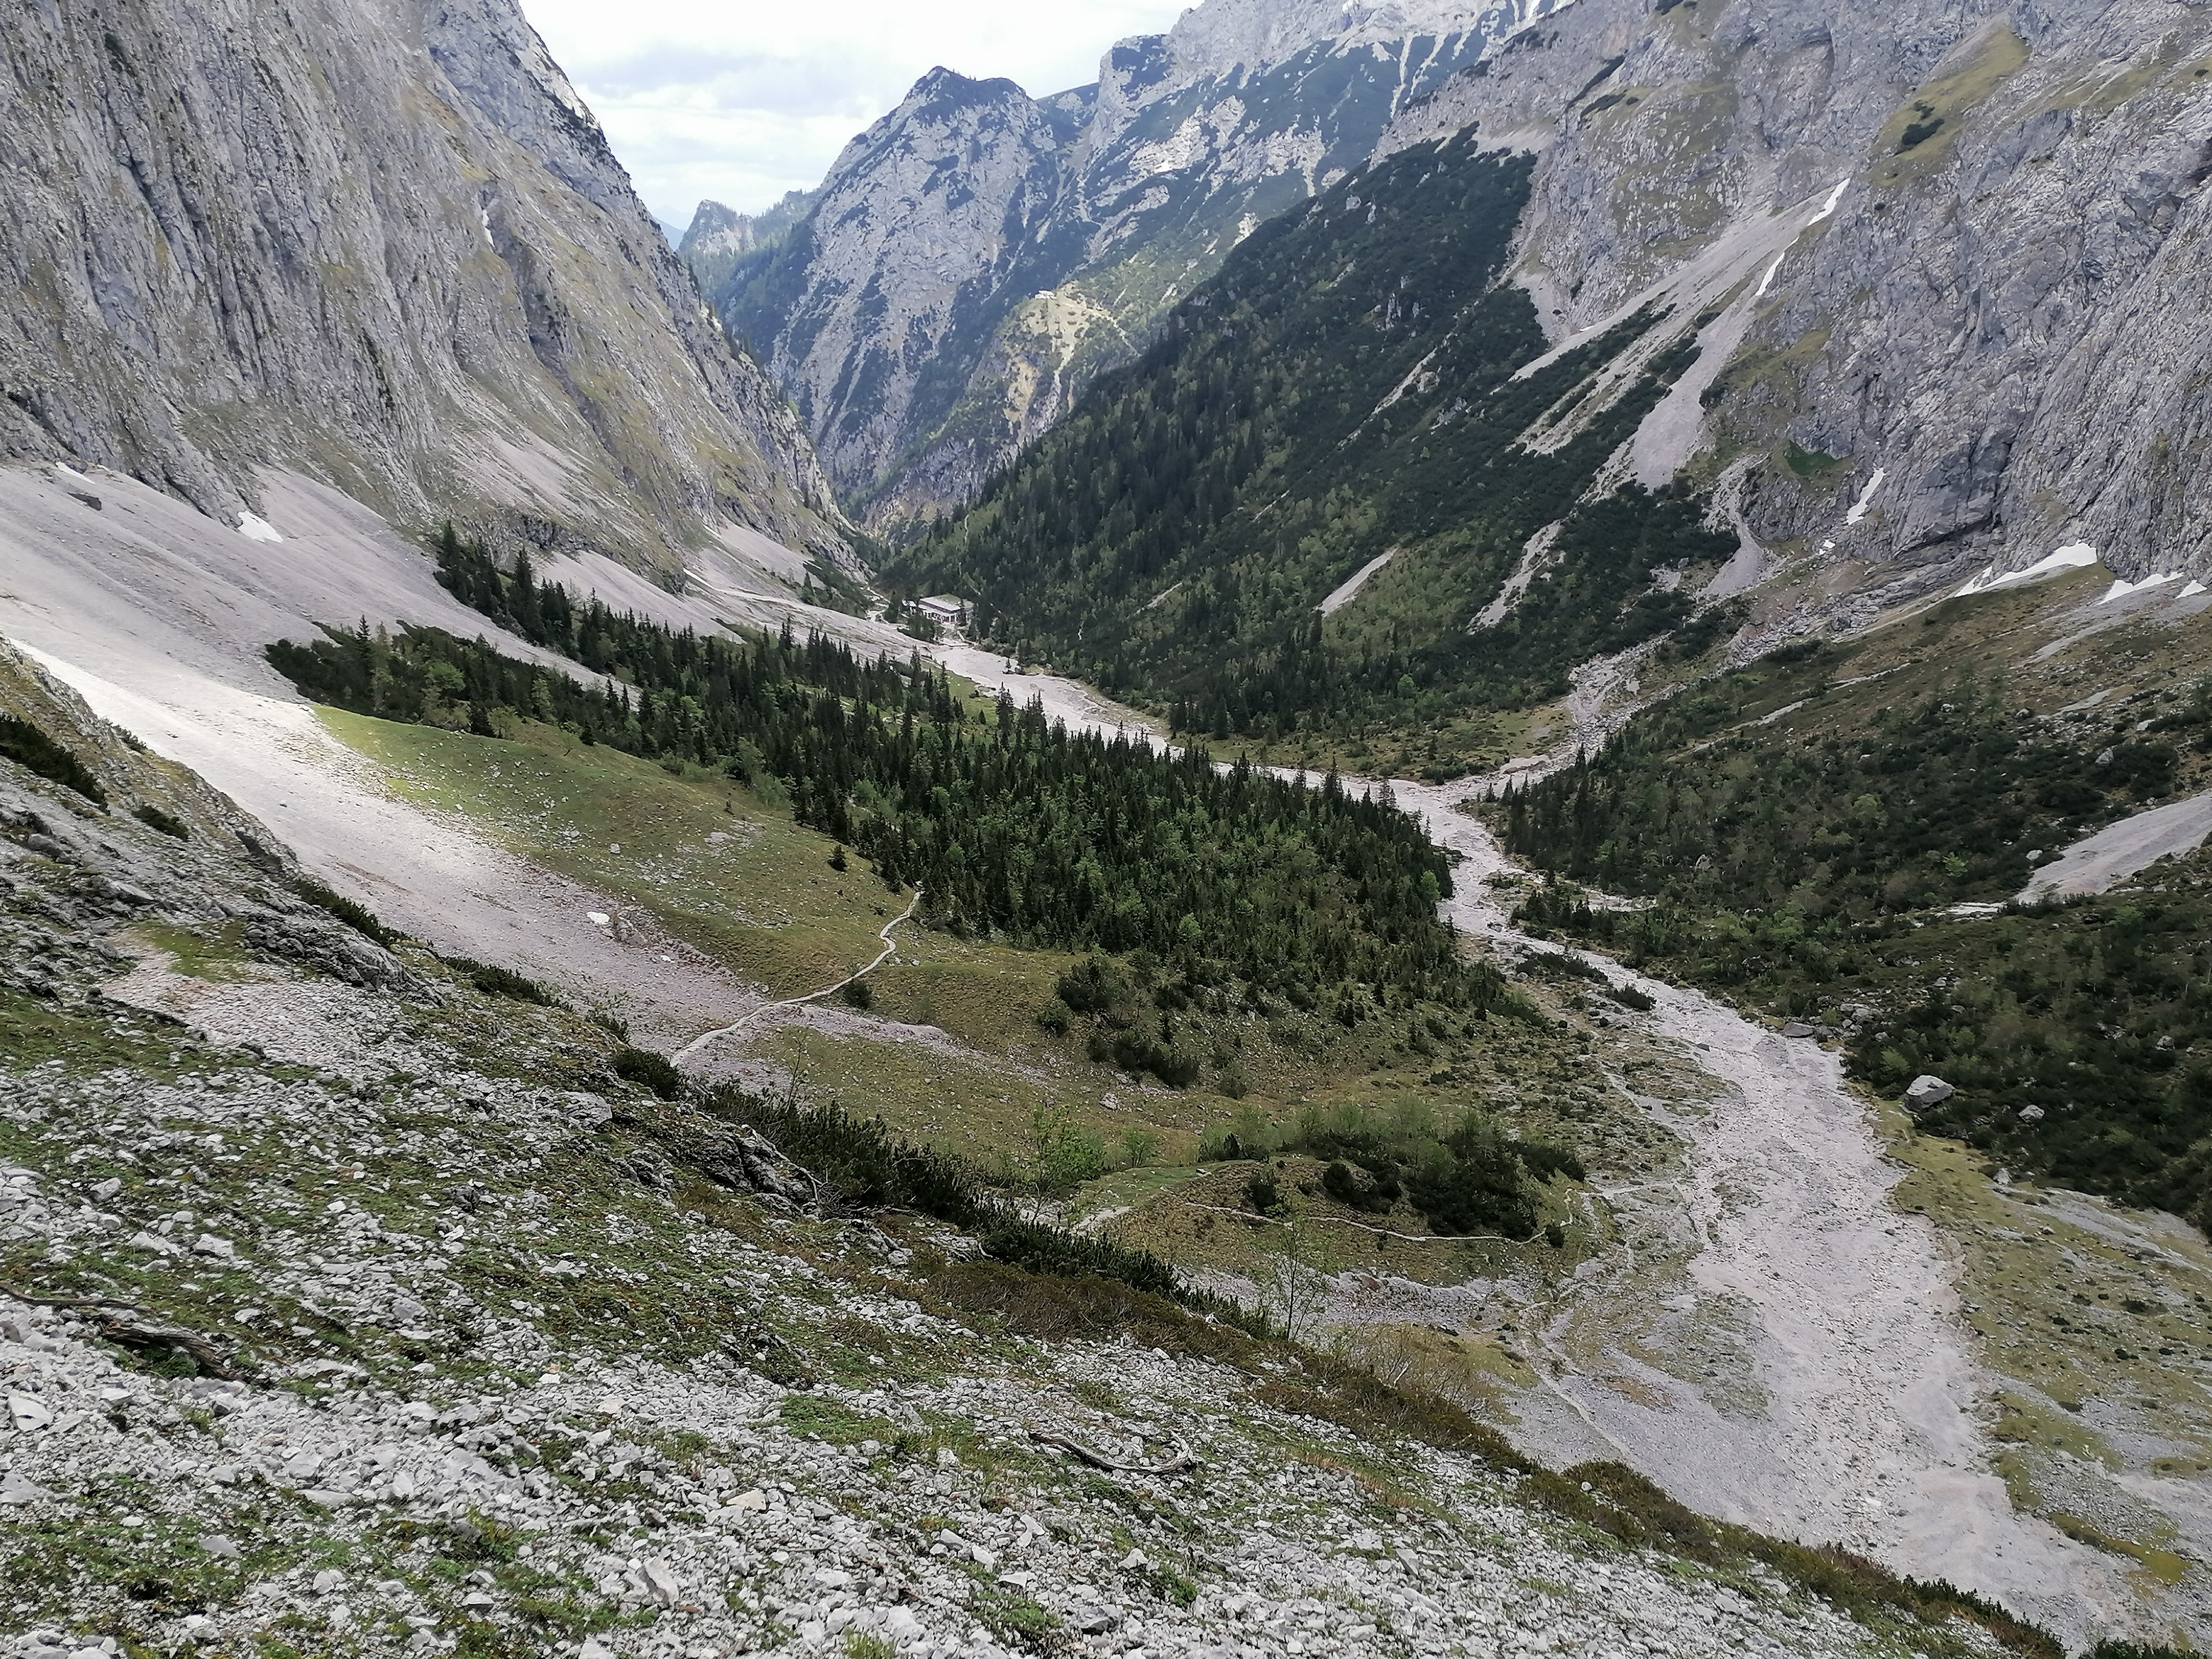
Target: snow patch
point(1828, 208)
point(2120, 589)
point(2191, 592)
point(1864, 505)
point(255, 528)
point(2077, 557)
point(1766, 282)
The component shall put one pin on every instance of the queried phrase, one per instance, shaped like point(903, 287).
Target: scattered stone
point(661, 1585)
point(223, 1548)
point(1798, 1028)
point(1928, 1091)
point(27, 1413)
point(2031, 1114)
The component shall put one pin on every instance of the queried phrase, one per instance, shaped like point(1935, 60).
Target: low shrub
point(497, 982)
point(359, 917)
point(1057, 1307)
point(160, 822)
point(32, 749)
point(649, 1070)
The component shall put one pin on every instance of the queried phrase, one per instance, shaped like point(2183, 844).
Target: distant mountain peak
point(978, 254)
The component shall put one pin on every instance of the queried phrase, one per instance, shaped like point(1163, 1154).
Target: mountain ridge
point(365, 243)
point(921, 360)
point(1975, 351)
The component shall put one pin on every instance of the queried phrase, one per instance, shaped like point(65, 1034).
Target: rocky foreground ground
point(390, 1320)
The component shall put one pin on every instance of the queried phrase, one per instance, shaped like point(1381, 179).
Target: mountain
point(1856, 287)
point(1303, 512)
point(976, 256)
point(719, 240)
point(1985, 342)
point(385, 245)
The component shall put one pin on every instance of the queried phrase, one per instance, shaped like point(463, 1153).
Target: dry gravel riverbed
point(1819, 1382)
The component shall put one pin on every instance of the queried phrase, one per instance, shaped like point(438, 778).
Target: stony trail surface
point(706, 1040)
point(1846, 1312)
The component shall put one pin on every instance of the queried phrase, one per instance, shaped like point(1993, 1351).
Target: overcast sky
point(743, 101)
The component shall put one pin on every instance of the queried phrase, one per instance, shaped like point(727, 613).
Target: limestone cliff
point(978, 255)
point(383, 242)
point(1962, 245)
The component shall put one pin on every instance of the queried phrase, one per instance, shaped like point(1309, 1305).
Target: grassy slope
point(766, 904)
point(765, 901)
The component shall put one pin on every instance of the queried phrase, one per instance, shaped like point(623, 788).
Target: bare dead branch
point(1181, 1463)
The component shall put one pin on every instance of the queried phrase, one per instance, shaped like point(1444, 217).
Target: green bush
point(155, 819)
point(649, 1070)
point(32, 749)
point(359, 917)
point(497, 982)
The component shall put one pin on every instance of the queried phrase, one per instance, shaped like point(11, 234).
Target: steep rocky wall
point(383, 242)
point(1993, 345)
point(978, 255)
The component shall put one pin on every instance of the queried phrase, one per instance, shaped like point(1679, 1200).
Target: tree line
point(1013, 826)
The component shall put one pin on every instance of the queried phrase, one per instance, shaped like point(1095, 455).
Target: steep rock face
point(1990, 348)
point(977, 255)
point(720, 239)
point(384, 243)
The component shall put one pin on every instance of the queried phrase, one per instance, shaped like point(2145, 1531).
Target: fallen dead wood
point(1181, 1463)
point(128, 1327)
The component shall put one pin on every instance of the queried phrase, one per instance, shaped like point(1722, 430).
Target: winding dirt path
point(706, 1040)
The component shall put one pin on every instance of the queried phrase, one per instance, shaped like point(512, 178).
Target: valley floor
point(1776, 1301)
point(1777, 1340)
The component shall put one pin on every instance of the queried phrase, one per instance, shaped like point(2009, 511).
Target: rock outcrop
point(1978, 337)
point(382, 243)
point(978, 255)
point(722, 240)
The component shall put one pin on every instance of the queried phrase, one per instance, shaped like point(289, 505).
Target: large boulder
point(1928, 1091)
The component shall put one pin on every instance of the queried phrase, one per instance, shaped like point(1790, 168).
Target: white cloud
point(743, 102)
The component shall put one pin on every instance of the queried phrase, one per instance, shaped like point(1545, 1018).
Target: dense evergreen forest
point(1345, 387)
point(1013, 826)
point(1817, 876)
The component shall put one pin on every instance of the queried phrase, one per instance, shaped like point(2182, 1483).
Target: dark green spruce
point(1345, 387)
point(1813, 878)
point(1015, 828)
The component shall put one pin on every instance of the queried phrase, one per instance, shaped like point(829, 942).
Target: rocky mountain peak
point(978, 254)
point(1223, 36)
point(1938, 259)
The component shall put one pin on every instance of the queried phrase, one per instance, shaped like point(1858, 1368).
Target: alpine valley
point(1391, 841)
